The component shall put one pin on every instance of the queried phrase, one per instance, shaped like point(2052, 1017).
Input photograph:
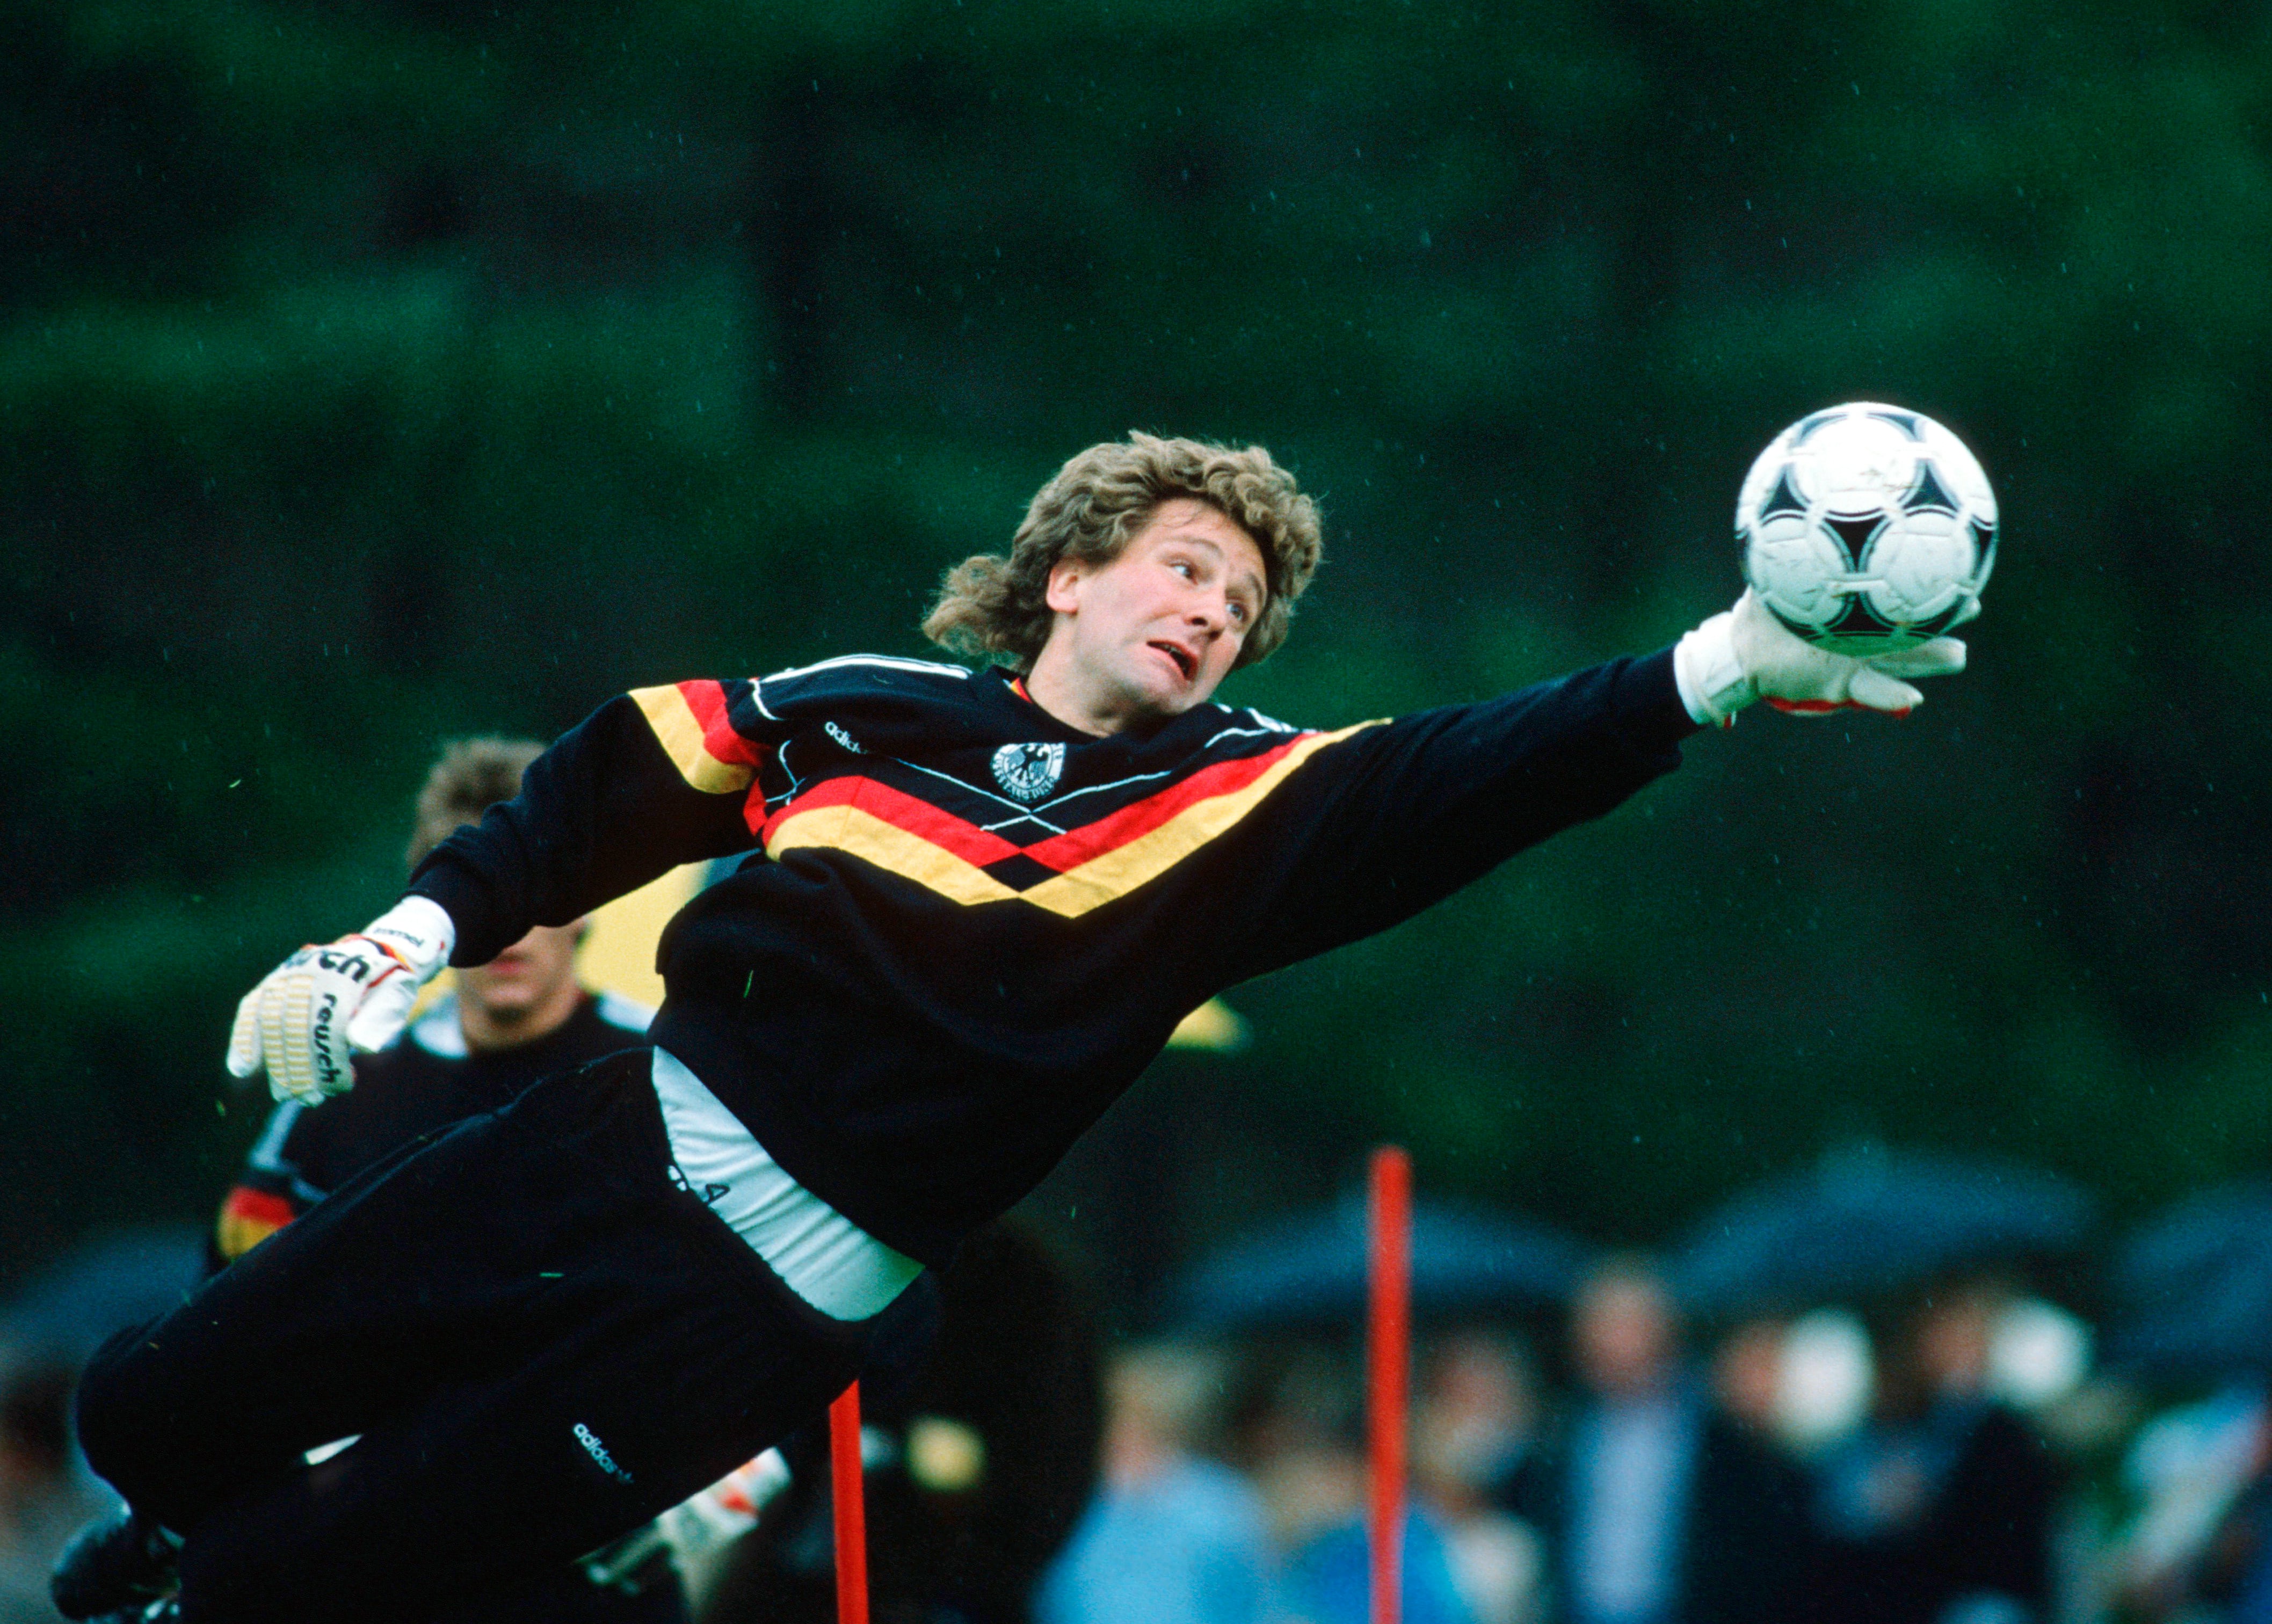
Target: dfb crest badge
point(1028, 771)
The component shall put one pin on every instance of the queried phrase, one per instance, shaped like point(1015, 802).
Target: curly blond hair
point(995, 606)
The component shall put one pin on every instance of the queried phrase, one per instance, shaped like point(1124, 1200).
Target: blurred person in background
point(1939, 1508)
point(44, 1491)
point(1173, 1536)
point(2189, 1473)
point(1475, 1421)
point(1747, 1375)
point(1299, 1433)
point(2229, 1578)
point(1660, 1506)
point(522, 1015)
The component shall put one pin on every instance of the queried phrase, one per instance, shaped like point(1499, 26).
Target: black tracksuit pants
point(542, 1341)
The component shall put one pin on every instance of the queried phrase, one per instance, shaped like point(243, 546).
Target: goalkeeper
point(975, 905)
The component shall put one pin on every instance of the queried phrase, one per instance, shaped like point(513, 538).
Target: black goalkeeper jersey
point(964, 927)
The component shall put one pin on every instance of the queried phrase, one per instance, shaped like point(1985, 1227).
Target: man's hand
point(1747, 654)
point(300, 1024)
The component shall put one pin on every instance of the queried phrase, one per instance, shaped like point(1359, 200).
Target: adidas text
point(598, 1451)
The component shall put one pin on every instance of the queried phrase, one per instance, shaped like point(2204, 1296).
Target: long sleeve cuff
point(1713, 685)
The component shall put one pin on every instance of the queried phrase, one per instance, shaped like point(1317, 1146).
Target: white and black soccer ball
point(1866, 528)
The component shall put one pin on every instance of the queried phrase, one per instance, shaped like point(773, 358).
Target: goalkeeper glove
point(1746, 653)
point(300, 1023)
point(695, 1530)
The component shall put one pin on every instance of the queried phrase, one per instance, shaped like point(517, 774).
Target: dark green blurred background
point(373, 372)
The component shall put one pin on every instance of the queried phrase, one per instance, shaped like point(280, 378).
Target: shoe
point(124, 1561)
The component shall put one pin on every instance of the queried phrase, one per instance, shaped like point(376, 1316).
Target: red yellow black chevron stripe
point(1082, 869)
point(248, 1217)
point(690, 722)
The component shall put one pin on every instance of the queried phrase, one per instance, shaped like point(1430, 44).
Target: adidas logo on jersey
point(598, 1451)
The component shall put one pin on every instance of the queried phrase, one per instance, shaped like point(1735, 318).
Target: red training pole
point(850, 1506)
point(1388, 1354)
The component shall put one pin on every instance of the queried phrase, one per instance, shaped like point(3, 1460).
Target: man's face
point(1150, 634)
point(514, 993)
point(1624, 1331)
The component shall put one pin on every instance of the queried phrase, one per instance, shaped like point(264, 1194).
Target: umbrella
point(1870, 1219)
point(122, 1279)
point(2192, 1288)
point(1310, 1269)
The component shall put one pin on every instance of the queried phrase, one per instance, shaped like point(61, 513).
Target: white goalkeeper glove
point(300, 1023)
point(1746, 653)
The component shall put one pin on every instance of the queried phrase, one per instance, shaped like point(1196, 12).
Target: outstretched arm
point(1396, 816)
point(655, 778)
point(1384, 823)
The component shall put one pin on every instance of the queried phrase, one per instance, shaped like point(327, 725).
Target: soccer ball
point(1866, 528)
